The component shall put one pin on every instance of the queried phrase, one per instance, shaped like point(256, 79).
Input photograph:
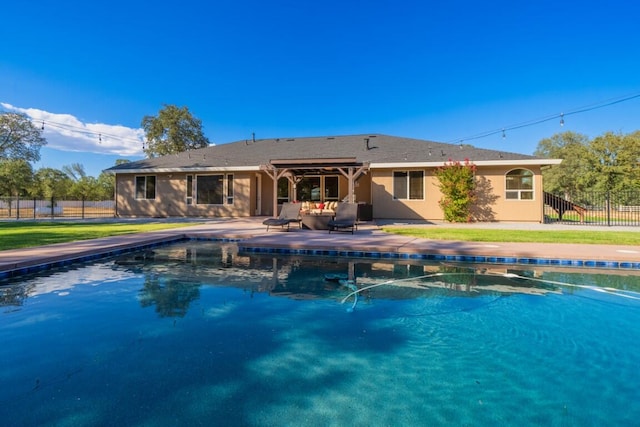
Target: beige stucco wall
point(376, 187)
point(171, 201)
point(491, 204)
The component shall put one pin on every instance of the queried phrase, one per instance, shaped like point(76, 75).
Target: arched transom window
point(519, 184)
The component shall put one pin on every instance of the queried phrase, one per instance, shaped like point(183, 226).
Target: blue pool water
point(197, 334)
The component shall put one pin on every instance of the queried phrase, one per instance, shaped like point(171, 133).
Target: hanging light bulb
point(100, 138)
point(561, 119)
point(504, 135)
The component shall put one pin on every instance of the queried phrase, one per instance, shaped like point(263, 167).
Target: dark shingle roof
point(379, 149)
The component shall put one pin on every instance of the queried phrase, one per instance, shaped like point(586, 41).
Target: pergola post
point(296, 169)
point(351, 176)
point(275, 175)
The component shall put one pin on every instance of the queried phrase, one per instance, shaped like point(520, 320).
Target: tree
point(614, 161)
point(456, 182)
point(74, 171)
point(609, 162)
point(106, 184)
point(19, 138)
point(173, 131)
point(570, 176)
point(51, 183)
point(16, 176)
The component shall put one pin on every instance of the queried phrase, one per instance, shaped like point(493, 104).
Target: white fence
point(16, 208)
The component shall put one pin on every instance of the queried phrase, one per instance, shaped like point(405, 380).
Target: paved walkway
point(369, 239)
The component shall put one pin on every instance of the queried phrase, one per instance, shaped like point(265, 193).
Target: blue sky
point(443, 71)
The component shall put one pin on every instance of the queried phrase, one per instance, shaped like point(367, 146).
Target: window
point(189, 189)
point(408, 185)
point(519, 185)
point(308, 189)
point(229, 189)
point(145, 187)
point(214, 189)
point(283, 190)
point(331, 188)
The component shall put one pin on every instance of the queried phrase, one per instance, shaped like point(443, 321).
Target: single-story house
point(392, 177)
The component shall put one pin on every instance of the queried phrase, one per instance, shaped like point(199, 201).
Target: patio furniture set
point(345, 218)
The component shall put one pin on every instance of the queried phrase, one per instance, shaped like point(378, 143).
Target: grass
point(24, 234)
point(589, 237)
point(15, 235)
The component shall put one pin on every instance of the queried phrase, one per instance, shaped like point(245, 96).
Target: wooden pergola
point(296, 169)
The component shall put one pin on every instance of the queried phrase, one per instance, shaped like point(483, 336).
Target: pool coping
point(368, 242)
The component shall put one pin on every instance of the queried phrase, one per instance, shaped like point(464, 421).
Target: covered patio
point(295, 170)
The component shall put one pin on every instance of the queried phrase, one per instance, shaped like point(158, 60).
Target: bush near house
point(456, 181)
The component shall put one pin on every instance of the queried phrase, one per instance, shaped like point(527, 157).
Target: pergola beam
point(295, 169)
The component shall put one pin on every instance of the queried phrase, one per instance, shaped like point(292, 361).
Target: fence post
point(17, 207)
point(52, 204)
point(82, 207)
point(609, 208)
point(34, 208)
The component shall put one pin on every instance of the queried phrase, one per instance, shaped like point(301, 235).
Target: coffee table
point(316, 221)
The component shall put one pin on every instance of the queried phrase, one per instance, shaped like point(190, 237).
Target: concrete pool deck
point(369, 241)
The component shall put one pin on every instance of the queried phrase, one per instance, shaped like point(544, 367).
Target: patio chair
point(289, 213)
point(346, 218)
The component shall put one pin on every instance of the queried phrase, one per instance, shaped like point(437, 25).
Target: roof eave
point(520, 162)
point(186, 170)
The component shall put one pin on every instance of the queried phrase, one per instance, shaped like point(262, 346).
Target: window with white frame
point(146, 187)
point(189, 189)
point(408, 185)
point(229, 189)
point(519, 184)
point(214, 189)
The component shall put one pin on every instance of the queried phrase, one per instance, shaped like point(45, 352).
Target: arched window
point(519, 185)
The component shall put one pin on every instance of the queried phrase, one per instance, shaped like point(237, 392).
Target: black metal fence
point(17, 208)
point(593, 208)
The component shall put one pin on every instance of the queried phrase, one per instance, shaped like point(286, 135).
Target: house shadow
point(482, 209)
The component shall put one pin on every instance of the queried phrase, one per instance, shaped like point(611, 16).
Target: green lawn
point(23, 234)
point(594, 237)
point(19, 234)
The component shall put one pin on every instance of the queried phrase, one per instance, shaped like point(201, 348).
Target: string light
point(561, 116)
point(503, 130)
point(82, 130)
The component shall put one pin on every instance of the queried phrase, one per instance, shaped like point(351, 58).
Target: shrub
point(456, 182)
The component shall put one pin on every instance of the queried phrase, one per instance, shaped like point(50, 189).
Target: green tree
point(19, 138)
point(456, 182)
point(571, 175)
point(16, 176)
point(172, 131)
point(609, 162)
point(75, 171)
point(85, 188)
point(614, 161)
point(51, 184)
point(106, 184)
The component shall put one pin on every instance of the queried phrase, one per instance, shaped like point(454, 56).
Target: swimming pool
point(198, 334)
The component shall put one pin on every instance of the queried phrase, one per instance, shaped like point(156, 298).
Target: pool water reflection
point(197, 334)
